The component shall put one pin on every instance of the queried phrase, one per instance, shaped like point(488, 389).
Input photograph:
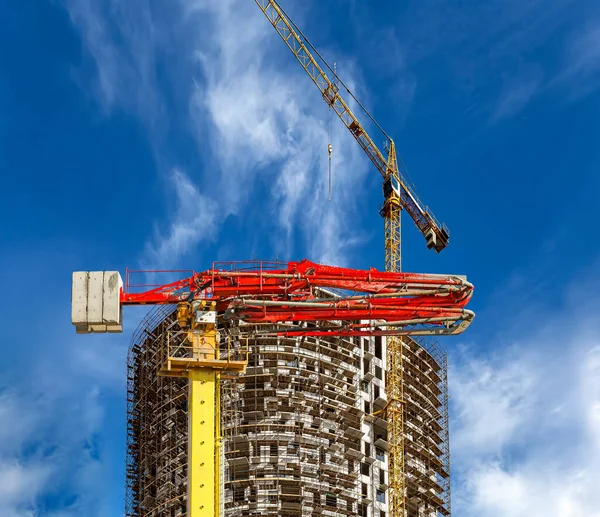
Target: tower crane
point(397, 190)
point(398, 194)
point(219, 310)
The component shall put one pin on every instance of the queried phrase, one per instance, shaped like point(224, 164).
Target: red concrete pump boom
point(351, 301)
point(301, 298)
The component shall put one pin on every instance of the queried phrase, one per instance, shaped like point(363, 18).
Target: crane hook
point(329, 150)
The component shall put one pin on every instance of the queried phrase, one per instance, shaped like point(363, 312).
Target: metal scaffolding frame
point(292, 429)
point(156, 473)
point(295, 430)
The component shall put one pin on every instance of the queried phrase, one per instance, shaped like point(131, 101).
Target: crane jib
point(436, 234)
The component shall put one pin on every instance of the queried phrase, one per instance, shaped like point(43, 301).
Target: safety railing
point(183, 350)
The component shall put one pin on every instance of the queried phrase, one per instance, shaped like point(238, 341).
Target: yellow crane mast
point(398, 195)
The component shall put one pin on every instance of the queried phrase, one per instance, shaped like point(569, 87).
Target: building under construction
point(303, 432)
point(304, 429)
point(296, 420)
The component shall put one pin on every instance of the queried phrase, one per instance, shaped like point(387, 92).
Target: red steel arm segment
point(309, 292)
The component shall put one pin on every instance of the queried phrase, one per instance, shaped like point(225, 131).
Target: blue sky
point(155, 134)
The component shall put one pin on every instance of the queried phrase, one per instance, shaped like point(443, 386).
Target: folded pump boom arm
point(356, 301)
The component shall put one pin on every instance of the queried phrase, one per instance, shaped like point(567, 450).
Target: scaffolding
point(304, 429)
point(292, 429)
point(156, 474)
point(426, 436)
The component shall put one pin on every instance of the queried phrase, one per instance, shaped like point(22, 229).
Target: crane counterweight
point(95, 302)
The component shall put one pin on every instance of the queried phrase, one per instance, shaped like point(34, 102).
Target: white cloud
point(20, 484)
point(491, 402)
point(45, 451)
point(11, 411)
point(590, 392)
point(194, 219)
point(526, 418)
point(259, 124)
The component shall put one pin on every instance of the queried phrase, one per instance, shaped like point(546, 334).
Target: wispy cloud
point(195, 218)
point(121, 40)
point(251, 111)
point(496, 56)
point(581, 60)
point(516, 93)
point(525, 424)
point(269, 126)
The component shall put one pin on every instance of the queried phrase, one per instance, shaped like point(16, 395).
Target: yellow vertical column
point(204, 436)
point(202, 461)
point(218, 447)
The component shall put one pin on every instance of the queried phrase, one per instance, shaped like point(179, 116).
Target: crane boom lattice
point(397, 189)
